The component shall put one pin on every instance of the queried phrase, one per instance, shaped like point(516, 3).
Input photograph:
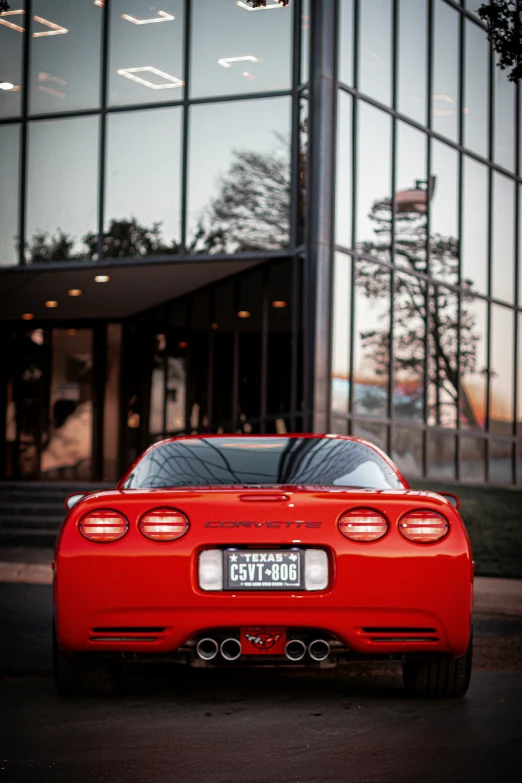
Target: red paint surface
point(136, 582)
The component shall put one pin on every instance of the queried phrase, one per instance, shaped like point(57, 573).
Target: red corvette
point(299, 550)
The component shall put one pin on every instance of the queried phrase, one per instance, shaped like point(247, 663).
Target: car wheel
point(442, 678)
point(80, 677)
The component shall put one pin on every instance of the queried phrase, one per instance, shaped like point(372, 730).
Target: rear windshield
point(198, 462)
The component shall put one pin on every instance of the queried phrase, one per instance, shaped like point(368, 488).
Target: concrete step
point(42, 508)
point(27, 537)
point(18, 522)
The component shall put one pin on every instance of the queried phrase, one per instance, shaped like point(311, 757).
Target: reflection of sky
point(143, 180)
point(216, 130)
point(11, 64)
point(9, 147)
point(223, 30)
point(65, 69)
point(62, 184)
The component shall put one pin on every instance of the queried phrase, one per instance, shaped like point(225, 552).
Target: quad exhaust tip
point(207, 649)
point(230, 649)
point(295, 650)
point(319, 650)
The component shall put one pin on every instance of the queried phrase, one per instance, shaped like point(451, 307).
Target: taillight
point(164, 524)
point(423, 527)
point(103, 526)
point(363, 524)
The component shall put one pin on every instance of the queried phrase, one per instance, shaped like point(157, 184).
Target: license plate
point(259, 569)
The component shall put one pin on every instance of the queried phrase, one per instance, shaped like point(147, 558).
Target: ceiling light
point(243, 314)
point(75, 292)
point(71, 331)
point(214, 326)
point(278, 304)
point(55, 29)
point(260, 8)
point(225, 61)
point(102, 279)
point(172, 81)
point(10, 24)
point(27, 316)
point(51, 303)
point(162, 17)
point(99, 3)
point(182, 344)
point(6, 86)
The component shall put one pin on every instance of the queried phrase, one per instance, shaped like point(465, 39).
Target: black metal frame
point(350, 420)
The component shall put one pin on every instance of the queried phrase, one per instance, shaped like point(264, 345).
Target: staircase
point(31, 512)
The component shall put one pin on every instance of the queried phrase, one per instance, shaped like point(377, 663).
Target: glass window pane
point(411, 198)
point(373, 433)
point(442, 359)
point(341, 332)
point(67, 454)
point(503, 258)
point(62, 203)
point(343, 180)
point(146, 52)
point(371, 339)
point(472, 460)
point(445, 91)
point(111, 403)
point(346, 42)
point(407, 451)
point(500, 461)
point(519, 379)
point(476, 89)
point(375, 49)
point(444, 232)
point(280, 352)
point(504, 121)
point(239, 182)
point(142, 209)
point(157, 386)
point(501, 371)
point(9, 193)
point(408, 345)
point(474, 5)
point(474, 245)
point(235, 49)
point(473, 363)
point(305, 40)
point(374, 182)
point(65, 56)
point(11, 43)
point(412, 51)
point(441, 455)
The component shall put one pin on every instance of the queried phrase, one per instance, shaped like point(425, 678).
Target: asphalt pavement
point(186, 726)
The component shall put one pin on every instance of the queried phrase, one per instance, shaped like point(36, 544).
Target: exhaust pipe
point(207, 649)
point(319, 649)
point(295, 650)
point(231, 649)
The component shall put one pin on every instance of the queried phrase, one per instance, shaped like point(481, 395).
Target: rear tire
point(80, 677)
point(439, 678)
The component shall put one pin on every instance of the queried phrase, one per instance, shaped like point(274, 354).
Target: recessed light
point(243, 314)
point(51, 303)
point(182, 344)
point(170, 81)
point(102, 279)
point(75, 292)
point(27, 316)
point(278, 304)
point(6, 86)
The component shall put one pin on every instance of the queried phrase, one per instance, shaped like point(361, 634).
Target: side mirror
point(453, 499)
point(71, 500)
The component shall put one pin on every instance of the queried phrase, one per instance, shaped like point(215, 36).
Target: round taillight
point(423, 527)
point(103, 526)
point(164, 524)
point(363, 524)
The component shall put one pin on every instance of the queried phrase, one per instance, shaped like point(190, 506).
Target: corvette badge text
point(231, 523)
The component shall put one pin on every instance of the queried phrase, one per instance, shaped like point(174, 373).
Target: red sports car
point(238, 550)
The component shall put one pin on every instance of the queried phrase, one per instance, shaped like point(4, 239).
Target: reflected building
point(216, 218)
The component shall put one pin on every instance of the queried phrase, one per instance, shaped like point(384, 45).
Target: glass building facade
point(349, 170)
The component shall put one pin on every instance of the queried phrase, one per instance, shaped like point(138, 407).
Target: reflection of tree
point(123, 238)
point(415, 312)
point(252, 210)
